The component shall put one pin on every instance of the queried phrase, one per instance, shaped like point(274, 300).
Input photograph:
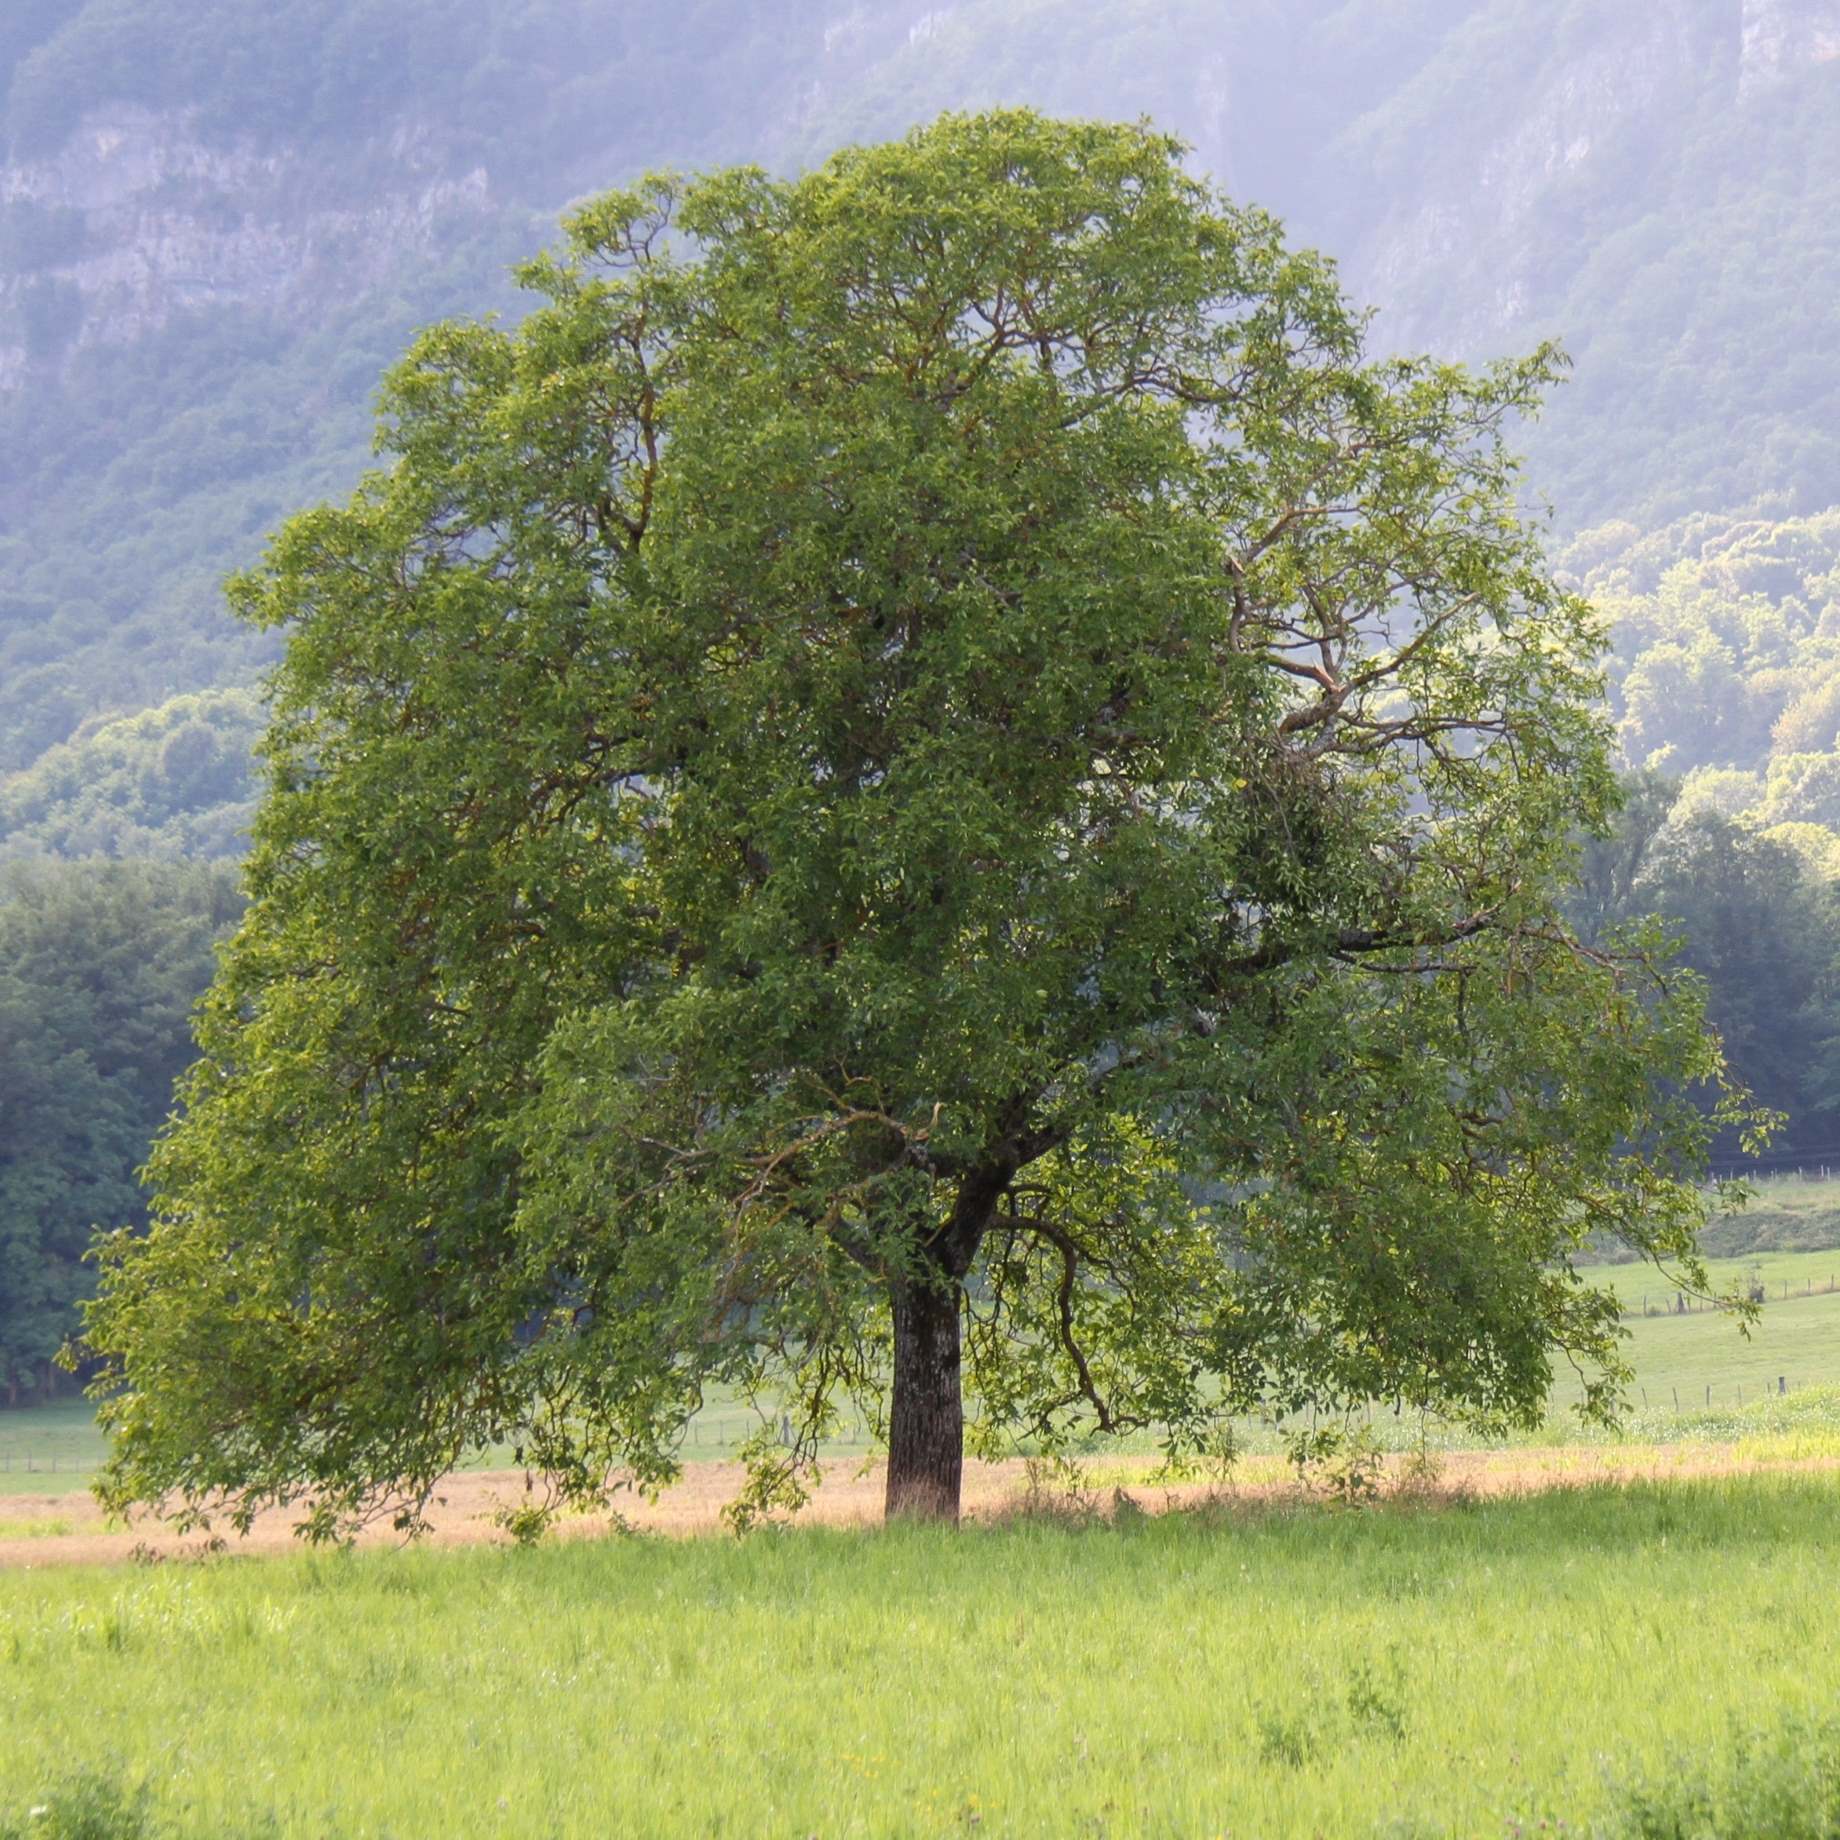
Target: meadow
point(1700, 1358)
point(1598, 1659)
point(1449, 1669)
point(1786, 1213)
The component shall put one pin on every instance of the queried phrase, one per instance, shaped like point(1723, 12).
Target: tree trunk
point(926, 1422)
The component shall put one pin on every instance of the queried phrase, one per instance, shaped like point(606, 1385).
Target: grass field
point(1258, 1670)
point(46, 1449)
point(1783, 1275)
point(1786, 1213)
point(1702, 1358)
point(1457, 1670)
point(52, 1448)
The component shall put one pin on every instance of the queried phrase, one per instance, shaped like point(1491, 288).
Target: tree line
point(1755, 918)
point(101, 964)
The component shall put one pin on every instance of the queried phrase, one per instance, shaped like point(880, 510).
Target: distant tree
point(902, 723)
point(1762, 934)
point(1757, 920)
point(170, 781)
point(100, 966)
point(1612, 862)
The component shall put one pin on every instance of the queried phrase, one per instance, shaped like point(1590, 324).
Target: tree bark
point(926, 1420)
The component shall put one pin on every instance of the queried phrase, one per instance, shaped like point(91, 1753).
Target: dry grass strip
point(463, 1513)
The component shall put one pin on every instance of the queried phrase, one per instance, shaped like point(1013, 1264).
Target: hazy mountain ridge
point(218, 223)
point(145, 209)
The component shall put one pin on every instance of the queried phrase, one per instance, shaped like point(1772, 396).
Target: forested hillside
point(220, 220)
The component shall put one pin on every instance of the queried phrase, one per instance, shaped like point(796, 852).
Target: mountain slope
point(218, 221)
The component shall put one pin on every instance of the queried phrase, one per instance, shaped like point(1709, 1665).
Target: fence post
point(1782, 1383)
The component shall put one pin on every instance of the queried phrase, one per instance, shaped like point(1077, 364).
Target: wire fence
point(46, 1463)
point(1774, 1290)
point(1784, 1165)
point(1716, 1393)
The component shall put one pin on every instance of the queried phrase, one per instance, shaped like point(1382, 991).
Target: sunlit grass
point(1263, 1673)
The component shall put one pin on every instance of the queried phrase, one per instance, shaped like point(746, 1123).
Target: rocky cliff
point(209, 245)
point(155, 220)
point(1442, 183)
point(1777, 37)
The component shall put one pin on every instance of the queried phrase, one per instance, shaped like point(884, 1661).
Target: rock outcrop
point(154, 220)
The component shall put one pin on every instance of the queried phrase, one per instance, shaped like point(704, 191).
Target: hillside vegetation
point(191, 325)
point(573, 75)
point(172, 781)
point(223, 220)
point(100, 964)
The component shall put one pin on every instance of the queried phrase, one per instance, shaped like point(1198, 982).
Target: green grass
point(1702, 1358)
point(1300, 1672)
point(1791, 1274)
point(37, 1528)
point(1707, 1360)
point(1787, 1214)
point(48, 1450)
point(55, 1449)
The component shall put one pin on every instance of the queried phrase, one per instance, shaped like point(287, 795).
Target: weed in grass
point(1343, 1463)
point(1378, 1707)
point(1127, 1511)
point(1287, 1738)
point(1057, 1488)
point(1371, 1707)
point(88, 1805)
point(1782, 1784)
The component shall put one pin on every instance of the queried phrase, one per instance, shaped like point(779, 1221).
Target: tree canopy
point(925, 782)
